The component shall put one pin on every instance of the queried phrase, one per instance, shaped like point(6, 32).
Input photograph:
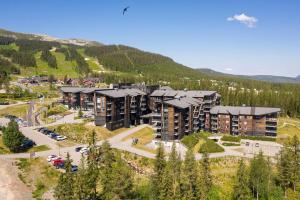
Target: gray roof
point(71, 89)
point(242, 110)
point(182, 93)
point(93, 89)
point(165, 88)
point(184, 102)
point(117, 93)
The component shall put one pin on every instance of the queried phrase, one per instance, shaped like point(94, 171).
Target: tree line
point(49, 58)
point(105, 175)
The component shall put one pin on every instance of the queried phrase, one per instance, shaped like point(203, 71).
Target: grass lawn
point(18, 110)
point(81, 132)
point(37, 174)
point(210, 146)
point(38, 148)
point(144, 136)
point(3, 148)
point(45, 90)
point(223, 172)
point(287, 127)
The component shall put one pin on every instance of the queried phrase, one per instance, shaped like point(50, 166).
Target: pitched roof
point(242, 110)
point(184, 102)
point(117, 93)
point(182, 93)
point(71, 89)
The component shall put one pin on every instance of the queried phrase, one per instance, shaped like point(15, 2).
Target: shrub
point(191, 140)
point(230, 138)
point(210, 147)
point(228, 144)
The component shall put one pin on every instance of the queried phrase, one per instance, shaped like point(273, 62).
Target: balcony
point(157, 100)
point(235, 125)
point(271, 131)
point(214, 118)
point(108, 103)
point(271, 119)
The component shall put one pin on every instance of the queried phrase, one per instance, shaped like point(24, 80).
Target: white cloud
point(244, 19)
point(228, 69)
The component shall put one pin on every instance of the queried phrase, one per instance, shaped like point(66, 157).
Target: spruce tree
point(92, 169)
point(159, 168)
point(12, 137)
point(172, 176)
point(205, 179)
point(190, 177)
point(294, 151)
point(259, 176)
point(241, 190)
point(81, 190)
point(65, 186)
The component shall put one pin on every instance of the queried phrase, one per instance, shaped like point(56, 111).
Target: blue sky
point(234, 36)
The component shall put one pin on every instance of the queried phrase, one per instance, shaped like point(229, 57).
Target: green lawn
point(18, 110)
point(38, 148)
point(3, 148)
point(145, 136)
point(81, 132)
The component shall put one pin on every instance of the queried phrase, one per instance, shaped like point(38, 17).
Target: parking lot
point(254, 147)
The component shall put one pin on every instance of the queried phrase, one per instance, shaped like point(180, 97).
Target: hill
point(268, 78)
point(30, 54)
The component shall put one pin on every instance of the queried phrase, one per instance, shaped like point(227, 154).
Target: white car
point(60, 138)
point(84, 150)
point(51, 157)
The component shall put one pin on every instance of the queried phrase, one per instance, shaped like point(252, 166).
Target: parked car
point(55, 160)
point(60, 138)
point(27, 143)
point(247, 144)
point(74, 168)
point(58, 163)
point(53, 135)
point(77, 149)
point(51, 157)
point(257, 145)
point(84, 150)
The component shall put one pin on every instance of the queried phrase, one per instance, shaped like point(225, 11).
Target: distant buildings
point(172, 113)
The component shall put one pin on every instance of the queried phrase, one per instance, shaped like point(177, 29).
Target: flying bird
point(125, 10)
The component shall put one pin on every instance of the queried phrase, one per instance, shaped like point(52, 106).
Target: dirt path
point(11, 187)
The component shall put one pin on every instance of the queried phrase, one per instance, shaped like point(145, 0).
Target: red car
point(57, 162)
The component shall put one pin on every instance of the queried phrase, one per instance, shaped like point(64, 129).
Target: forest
point(105, 174)
point(127, 64)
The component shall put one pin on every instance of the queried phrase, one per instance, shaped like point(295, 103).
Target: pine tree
point(120, 185)
point(81, 190)
point(92, 169)
point(205, 179)
point(241, 189)
point(259, 176)
point(12, 137)
point(159, 168)
point(65, 186)
point(190, 177)
point(172, 176)
point(294, 148)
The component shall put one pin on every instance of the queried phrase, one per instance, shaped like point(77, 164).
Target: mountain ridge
point(268, 78)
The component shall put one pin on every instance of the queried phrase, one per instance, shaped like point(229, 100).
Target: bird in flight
point(125, 10)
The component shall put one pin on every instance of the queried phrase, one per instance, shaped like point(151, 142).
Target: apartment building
point(119, 107)
point(79, 97)
point(71, 96)
point(253, 121)
point(195, 104)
